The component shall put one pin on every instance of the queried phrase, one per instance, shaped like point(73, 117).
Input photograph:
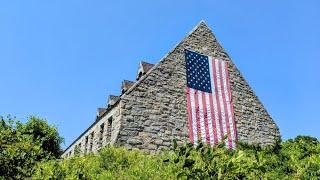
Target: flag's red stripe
point(189, 115)
point(225, 104)
point(197, 110)
point(214, 126)
point(231, 101)
point(205, 115)
point(217, 98)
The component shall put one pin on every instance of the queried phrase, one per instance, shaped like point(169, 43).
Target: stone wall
point(152, 111)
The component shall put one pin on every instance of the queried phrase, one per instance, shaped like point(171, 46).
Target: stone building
point(151, 112)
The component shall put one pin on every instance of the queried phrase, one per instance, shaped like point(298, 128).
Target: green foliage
point(294, 159)
point(23, 145)
point(31, 150)
point(109, 163)
point(297, 159)
point(47, 135)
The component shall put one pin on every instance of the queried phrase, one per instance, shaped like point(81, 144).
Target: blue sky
point(61, 59)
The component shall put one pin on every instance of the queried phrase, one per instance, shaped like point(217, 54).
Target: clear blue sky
point(61, 59)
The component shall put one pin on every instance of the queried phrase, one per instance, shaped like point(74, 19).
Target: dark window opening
point(101, 134)
point(79, 148)
point(86, 145)
point(91, 141)
point(109, 128)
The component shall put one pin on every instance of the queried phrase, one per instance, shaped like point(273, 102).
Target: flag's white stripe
point(223, 115)
point(194, 118)
point(228, 101)
point(215, 106)
point(201, 115)
point(209, 118)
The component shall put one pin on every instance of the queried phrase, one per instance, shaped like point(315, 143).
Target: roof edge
point(142, 78)
point(166, 56)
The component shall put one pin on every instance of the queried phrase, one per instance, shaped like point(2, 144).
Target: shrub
point(298, 158)
point(109, 163)
point(23, 145)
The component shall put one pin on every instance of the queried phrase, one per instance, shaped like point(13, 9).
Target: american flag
point(209, 103)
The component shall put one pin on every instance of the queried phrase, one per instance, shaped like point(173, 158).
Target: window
point(109, 128)
point(101, 134)
point(76, 150)
point(91, 141)
point(79, 148)
point(86, 145)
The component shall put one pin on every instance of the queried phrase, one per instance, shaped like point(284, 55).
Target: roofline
point(94, 123)
point(138, 82)
point(164, 57)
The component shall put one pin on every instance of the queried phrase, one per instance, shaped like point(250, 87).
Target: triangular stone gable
point(153, 111)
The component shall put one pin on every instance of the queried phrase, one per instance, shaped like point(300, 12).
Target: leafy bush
point(109, 163)
point(298, 158)
point(31, 150)
point(23, 145)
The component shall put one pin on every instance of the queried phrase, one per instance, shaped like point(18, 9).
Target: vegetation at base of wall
point(298, 158)
point(109, 163)
point(22, 146)
point(32, 150)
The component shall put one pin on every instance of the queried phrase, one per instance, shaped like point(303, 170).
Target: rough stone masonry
point(151, 112)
